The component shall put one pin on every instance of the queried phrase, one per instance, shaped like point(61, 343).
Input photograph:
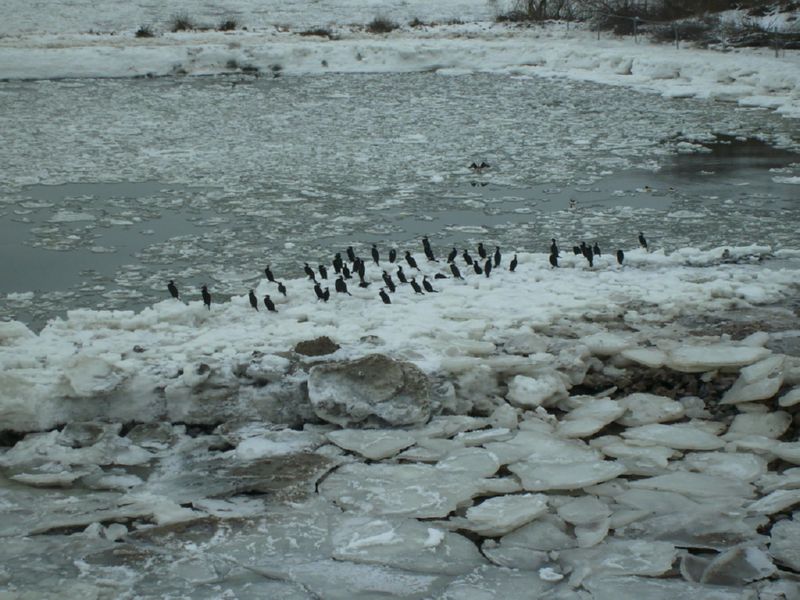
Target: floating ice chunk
point(738, 566)
point(784, 547)
point(14, 331)
point(584, 510)
point(790, 398)
point(788, 479)
point(788, 451)
point(657, 501)
point(606, 344)
point(374, 444)
point(762, 369)
point(483, 436)
point(770, 425)
point(404, 544)
point(644, 409)
point(489, 583)
point(698, 485)
point(643, 458)
point(91, 375)
point(695, 407)
point(550, 574)
point(761, 389)
point(696, 359)
point(547, 533)
point(649, 357)
point(681, 437)
point(430, 450)
point(52, 475)
point(498, 516)
point(474, 462)
point(538, 476)
point(604, 587)
point(446, 426)
point(777, 501)
point(540, 444)
point(733, 465)
point(622, 557)
point(277, 443)
point(589, 418)
point(591, 534)
point(529, 392)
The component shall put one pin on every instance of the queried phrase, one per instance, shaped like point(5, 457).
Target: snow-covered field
point(588, 432)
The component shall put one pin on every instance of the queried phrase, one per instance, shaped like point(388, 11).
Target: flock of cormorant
point(483, 265)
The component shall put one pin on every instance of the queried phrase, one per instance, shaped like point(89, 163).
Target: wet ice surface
point(206, 182)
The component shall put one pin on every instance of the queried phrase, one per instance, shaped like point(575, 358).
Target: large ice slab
point(538, 476)
point(681, 436)
point(530, 392)
point(698, 485)
point(589, 417)
point(697, 359)
point(644, 409)
point(374, 444)
point(497, 516)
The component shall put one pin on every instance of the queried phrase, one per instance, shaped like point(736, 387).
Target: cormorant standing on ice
point(326, 295)
point(513, 265)
point(337, 263)
point(481, 250)
point(467, 257)
point(587, 253)
point(553, 261)
point(206, 297)
point(477, 268)
point(426, 246)
point(362, 283)
point(415, 285)
point(375, 255)
point(387, 279)
point(554, 247)
point(487, 267)
point(385, 297)
point(590, 258)
point(282, 288)
point(323, 272)
point(173, 290)
point(497, 256)
point(318, 292)
point(454, 270)
point(341, 286)
point(642, 241)
point(620, 256)
point(309, 271)
point(596, 249)
point(427, 285)
point(253, 300)
point(269, 304)
point(346, 272)
point(400, 275)
point(576, 250)
point(452, 256)
point(411, 261)
point(358, 267)
point(351, 255)
point(268, 273)
point(392, 255)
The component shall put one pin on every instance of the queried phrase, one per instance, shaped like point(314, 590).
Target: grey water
point(111, 188)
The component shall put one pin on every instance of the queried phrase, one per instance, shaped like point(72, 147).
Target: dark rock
point(317, 347)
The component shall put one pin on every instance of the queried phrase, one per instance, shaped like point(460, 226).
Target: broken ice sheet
point(374, 444)
point(497, 516)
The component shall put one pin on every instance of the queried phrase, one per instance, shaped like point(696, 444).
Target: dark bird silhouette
point(400, 275)
point(452, 256)
point(487, 267)
point(427, 285)
point(341, 286)
point(477, 268)
point(282, 288)
point(173, 290)
point(454, 270)
point(587, 252)
point(375, 255)
point(620, 256)
point(269, 304)
point(426, 246)
point(392, 255)
point(346, 272)
point(206, 297)
point(351, 255)
point(576, 250)
point(553, 261)
point(268, 273)
point(411, 261)
point(323, 272)
point(318, 292)
point(642, 241)
point(596, 249)
point(583, 248)
point(309, 271)
point(385, 297)
point(326, 295)
point(497, 256)
point(440, 276)
point(467, 257)
point(590, 258)
point(362, 283)
point(415, 285)
point(554, 247)
point(481, 250)
point(337, 263)
point(513, 266)
point(478, 168)
point(253, 300)
point(387, 279)
point(358, 267)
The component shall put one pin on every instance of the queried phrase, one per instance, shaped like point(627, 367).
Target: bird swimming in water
point(415, 285)
point(553, 261)
point(318, 291)
point(341, 286)
point(477, 268)
point(642, 241)
point(479, 168)
point(454, 270)
point(375, 255)
point(385, 297)
point(513, 266)
point(392, 255)
point(309, 271)
point(173, 290)
point(497, 256)
point(400, 275)
point(452, 256)
point(253, 300)
point(323, 272)
point(411, 261)
point(487, 267)
point(467, 257)
point(554, 247)
point(387, 279)
point(481, 250)
point(351, 255)
point(620, 256)
point(596, 249)
point(268, 273)
point(269, 304)
point(282, 288)
point(427, 285)
point(206, 297)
